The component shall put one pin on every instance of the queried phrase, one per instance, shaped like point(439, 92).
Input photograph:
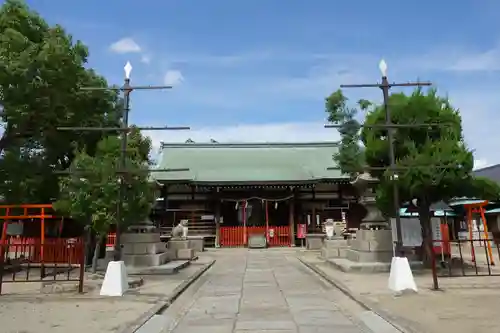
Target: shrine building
point(229, 192)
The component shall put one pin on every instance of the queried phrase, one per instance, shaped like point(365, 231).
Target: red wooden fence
point(110, 240)
point(235, 236)
point(55, 250)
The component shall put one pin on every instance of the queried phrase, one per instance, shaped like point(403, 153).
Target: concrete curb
point(163, 304)
point(364, 303)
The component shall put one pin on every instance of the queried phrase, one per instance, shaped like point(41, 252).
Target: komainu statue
point(180, 231)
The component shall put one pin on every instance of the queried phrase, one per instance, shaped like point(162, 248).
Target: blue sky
point(260, 70)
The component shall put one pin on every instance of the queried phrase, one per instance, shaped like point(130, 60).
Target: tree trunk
point(425, 223)
point(97, 250)
point(428, 256)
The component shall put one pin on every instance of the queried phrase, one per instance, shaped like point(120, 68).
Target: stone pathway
point(262, 291)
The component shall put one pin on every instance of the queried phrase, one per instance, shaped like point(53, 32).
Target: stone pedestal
point(371, 251)
point(371, 246)
point(314, 241)
point(334, 248)
point(179, 249)
point(197, 243)
point(257, 241)
point(143, 249)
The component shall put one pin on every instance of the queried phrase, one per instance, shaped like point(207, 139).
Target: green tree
point(417, 150)
point(90, 193)
point(350, 157)
point(42, 70)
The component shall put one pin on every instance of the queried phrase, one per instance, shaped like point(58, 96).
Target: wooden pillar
point(217, 218)
point(291, 220)
point(164, 206)
point(313, 218)
point(191, 213)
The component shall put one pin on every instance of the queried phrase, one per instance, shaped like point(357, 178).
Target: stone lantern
point(373, 220)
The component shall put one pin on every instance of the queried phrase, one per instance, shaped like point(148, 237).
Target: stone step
point(346, 265)
point(333, 252)
point(169, 268)
point(366, 256)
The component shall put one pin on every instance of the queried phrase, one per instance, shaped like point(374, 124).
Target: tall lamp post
point(124, 129)
point(385, 86)
point(127, 89)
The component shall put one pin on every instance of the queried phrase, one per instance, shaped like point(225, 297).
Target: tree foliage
point(435, 161)
point(90, 193)
point(350, 157)
point(42, 71)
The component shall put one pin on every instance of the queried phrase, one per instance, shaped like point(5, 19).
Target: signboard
point(301, 231)
point(410, 232)
point(14, 228)
point(437, 236)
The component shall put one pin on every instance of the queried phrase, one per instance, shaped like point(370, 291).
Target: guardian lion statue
point(180, 231)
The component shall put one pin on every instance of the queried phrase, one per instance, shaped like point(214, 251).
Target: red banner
point(301, 231)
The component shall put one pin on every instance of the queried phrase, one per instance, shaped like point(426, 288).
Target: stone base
point(371, 246)
point(179, 249)
point(346, 265)
point(257, 242)
point(115, 281)
point(197, 243)
point(314, 241)
point(140, 238)
point(141, 260)
point(177, 244)
point(185, 254)
point(334, 248)
point(367, 256)
point(144, 248)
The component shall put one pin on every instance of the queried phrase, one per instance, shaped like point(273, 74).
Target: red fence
point(111, 240)
point(56, 250)
point(235, 236)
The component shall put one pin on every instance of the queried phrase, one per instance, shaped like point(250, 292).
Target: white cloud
point(454, 58)
point(173, 77)
point(270, 132)
point(145, 59)
point(125, 45)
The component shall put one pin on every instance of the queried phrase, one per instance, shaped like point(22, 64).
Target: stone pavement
point(463, 305)
point(266, 290)
point(24, 309)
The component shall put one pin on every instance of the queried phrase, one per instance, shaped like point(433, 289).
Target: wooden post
point(486, 236)
point(42, 236)
point(244, 223)
point(267, 221)
point(217, 222)
point(291, 210)
point(471, 237)
point(164, 213)
point(313, 219)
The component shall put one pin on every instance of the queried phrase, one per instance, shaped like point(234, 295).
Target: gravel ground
point(24, 309)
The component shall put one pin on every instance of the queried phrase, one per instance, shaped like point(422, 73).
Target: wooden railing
point(53, 250)
point(235, 236)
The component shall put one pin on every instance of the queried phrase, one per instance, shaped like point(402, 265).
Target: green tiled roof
point(219, 163)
